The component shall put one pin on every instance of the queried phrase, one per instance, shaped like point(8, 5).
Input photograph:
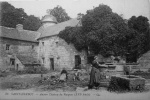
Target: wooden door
point(77, 61)
point(52, 63)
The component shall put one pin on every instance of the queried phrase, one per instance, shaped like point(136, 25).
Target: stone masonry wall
point(17, 47)
point(62, 53)
point(144, 60)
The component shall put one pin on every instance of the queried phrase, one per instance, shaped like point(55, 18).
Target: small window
point(7, 46)
point(43, 60)
point(32, 46)
point(43, 43)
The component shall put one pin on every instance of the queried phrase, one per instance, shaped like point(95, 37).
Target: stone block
point(126, 82)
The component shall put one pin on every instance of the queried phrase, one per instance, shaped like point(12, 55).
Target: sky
point(126, 7)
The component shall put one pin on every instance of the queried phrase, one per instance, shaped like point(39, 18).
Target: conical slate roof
point(49, 18)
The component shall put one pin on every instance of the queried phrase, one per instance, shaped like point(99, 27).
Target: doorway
point(12, 64)
point(77, 61)
point(12, 61)
point(52, 63)
point(17, 67)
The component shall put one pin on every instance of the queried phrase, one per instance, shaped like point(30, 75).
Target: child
point(77, 76)
point(64, 75)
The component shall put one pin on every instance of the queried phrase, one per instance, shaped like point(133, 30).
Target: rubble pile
point(52, 82)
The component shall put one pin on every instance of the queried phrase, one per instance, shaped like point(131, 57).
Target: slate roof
point(55, 29)
point(27, 59)
point(13, 33)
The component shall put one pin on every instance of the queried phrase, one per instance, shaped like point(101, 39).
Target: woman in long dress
point(95, 76)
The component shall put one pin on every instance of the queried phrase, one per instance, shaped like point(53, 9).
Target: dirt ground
point(46, 83)
point(32, 82)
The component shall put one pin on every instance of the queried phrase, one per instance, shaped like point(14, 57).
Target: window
point(43, 60)
point(7, 46)
point(43, 43)
point(32, 46)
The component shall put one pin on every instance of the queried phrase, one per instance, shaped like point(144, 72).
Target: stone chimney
point(19, 27)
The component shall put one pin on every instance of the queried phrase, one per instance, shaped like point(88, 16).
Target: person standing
point(94, 75)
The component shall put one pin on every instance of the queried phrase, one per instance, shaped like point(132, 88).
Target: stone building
point(144, 62)
point(16, 42)
point(54, 53)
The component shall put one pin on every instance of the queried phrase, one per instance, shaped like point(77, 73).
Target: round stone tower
point(48, 20)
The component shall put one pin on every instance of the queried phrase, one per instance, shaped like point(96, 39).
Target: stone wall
point(17, 47)
point(144, 60)
point(62, 53)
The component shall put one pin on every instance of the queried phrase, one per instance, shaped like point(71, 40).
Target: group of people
point(95, 75)
point(64, 75)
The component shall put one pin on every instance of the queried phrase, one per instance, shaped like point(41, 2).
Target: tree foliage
point(139, 42)
point(11, 16)
point(32, 23)
point(107, 33)
point(59, 13)
point(74, 35)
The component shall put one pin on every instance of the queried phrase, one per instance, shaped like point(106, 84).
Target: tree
point(59, 13)
point(103, 31)
point(139, 23)
point(106, 31)
point(11, 16)
point(32, 23)
point(74, 35)
point(139, 38)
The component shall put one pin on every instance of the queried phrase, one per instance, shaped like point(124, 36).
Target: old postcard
point(75, 49)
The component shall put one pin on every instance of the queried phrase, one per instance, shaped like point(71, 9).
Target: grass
point(27, 81)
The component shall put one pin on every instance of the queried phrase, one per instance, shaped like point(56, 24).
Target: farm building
point(54, 53)
point(15, 42)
